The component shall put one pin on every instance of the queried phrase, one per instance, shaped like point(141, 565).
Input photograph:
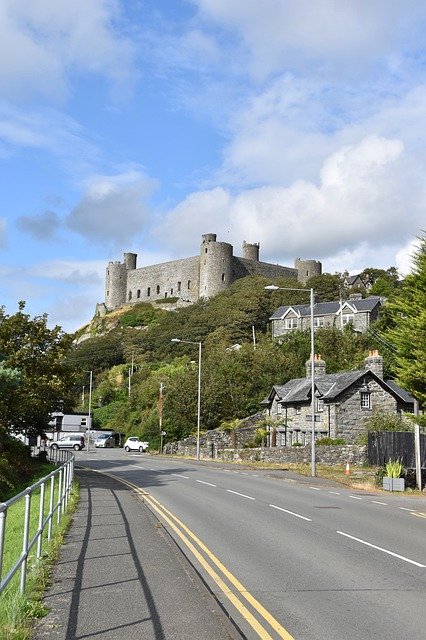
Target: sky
point(139, 125)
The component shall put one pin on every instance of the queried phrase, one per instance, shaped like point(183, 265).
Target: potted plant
point(392, 481)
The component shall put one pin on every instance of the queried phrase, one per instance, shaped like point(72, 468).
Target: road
point(289, 560)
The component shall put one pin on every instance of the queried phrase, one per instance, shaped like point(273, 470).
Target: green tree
point(33, 378)
point(408, 333)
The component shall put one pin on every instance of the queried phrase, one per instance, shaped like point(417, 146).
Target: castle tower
point(251, 251)
point(116, 281)
point(307, 269)
point(215, 266)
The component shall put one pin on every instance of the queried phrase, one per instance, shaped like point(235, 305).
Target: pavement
point(120, 576)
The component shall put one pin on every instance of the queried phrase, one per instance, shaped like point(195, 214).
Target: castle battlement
point(189, 279)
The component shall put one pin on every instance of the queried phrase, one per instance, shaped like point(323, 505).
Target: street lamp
point(199, 390)
point(273, 287)
point(89, 419)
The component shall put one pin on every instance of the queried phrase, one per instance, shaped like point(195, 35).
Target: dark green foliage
point(34, 380)
point(326, 287)
point(17, 468)
point(97, 354)
point(406, 334)
point(330, 441)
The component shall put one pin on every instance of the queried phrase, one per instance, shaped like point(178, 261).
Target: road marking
point(179, 475)
point(175, 523)
point(377, 502)
point(355, 497)
point(391, 553)
point(336, 493)
point(209, 483)
point(243, 495)
point(419, 514)
point(405, 509)
point(315, 488)
point(274, 506)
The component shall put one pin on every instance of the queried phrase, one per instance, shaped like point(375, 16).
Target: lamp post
point(273, 287)
point(89, 419)
point(199, 390)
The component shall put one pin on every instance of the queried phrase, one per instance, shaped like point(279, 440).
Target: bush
point(330, 441)
point(381, 421)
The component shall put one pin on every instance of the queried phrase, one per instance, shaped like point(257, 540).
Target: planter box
point(393, 484)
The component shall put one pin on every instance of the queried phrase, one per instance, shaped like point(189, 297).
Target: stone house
point(357, 311)
point(343, 402)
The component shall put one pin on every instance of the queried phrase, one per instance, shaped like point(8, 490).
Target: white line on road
point(336, 493)
point(178, 475)
point(241, 494)
point(209, 483)
point(391, 553)
point(377, 502)
point(274, 506)
point(315, 488)
point(405, 509)
point(355, 497)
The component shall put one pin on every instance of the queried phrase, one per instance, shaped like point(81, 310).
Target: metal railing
point(55, 490)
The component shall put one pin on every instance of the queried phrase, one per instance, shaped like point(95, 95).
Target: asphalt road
point(304, 560)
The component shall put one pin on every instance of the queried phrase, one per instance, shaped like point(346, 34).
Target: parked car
point(134, 444)
point(69, 442)
point(105, 440)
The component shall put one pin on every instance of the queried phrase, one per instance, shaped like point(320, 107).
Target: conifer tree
point(408, 333)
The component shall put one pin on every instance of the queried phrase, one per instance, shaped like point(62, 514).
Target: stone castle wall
point(189, 279)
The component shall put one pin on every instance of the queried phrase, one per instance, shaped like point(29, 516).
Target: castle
point(188, 279)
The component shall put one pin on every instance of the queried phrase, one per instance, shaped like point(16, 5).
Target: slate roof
point(328, 308)
point(330, 386)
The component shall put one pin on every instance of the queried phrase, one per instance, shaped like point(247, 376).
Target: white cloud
point(361, 200)
point(404, 257)
point(43, 41)
point(114, 208)
point(335, 37)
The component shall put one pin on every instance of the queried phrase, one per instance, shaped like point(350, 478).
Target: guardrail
point(60, 484)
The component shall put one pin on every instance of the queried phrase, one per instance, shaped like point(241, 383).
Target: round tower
point(130, 261)
point(215, 266)
point(307, 269)
point(251, 251)
point(115, 285)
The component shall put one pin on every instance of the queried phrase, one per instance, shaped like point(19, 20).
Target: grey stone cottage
point(357, 311)
point(343, 402)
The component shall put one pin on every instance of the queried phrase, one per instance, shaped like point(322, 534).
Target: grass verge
point(17, 612)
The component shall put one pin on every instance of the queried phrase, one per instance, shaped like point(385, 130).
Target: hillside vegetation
point(240, 362)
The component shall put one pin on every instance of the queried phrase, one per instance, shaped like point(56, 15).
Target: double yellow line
point(234, 590)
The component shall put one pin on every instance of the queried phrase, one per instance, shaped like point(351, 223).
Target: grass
point(17, 612)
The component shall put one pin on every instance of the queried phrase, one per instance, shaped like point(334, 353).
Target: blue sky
point(138, 125)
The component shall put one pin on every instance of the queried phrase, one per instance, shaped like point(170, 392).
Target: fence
point(395, 445)
point(59, 482)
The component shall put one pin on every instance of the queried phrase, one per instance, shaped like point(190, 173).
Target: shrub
point(394, 469)
point(330, 441)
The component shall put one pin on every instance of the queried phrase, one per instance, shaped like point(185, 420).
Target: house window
point(319, 322)
point(148, 292)
point(320, 405)
point(291, 323)
point(298, 410)
point(365, 400)
point(279, 408)
point(347, 318)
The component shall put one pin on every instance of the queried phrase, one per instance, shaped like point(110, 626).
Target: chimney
point(374, 362)
point(319, 366)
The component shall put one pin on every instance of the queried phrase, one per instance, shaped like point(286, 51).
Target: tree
point(34, 381)
point(408, 333)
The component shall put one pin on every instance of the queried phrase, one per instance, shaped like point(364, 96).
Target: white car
point(134, 444)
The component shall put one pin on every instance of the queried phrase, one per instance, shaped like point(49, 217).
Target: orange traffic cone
point(347, 470)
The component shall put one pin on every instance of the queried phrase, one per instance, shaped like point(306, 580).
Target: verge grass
point(17, 612)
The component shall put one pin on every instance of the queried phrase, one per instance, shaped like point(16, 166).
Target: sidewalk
point(119, 576)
